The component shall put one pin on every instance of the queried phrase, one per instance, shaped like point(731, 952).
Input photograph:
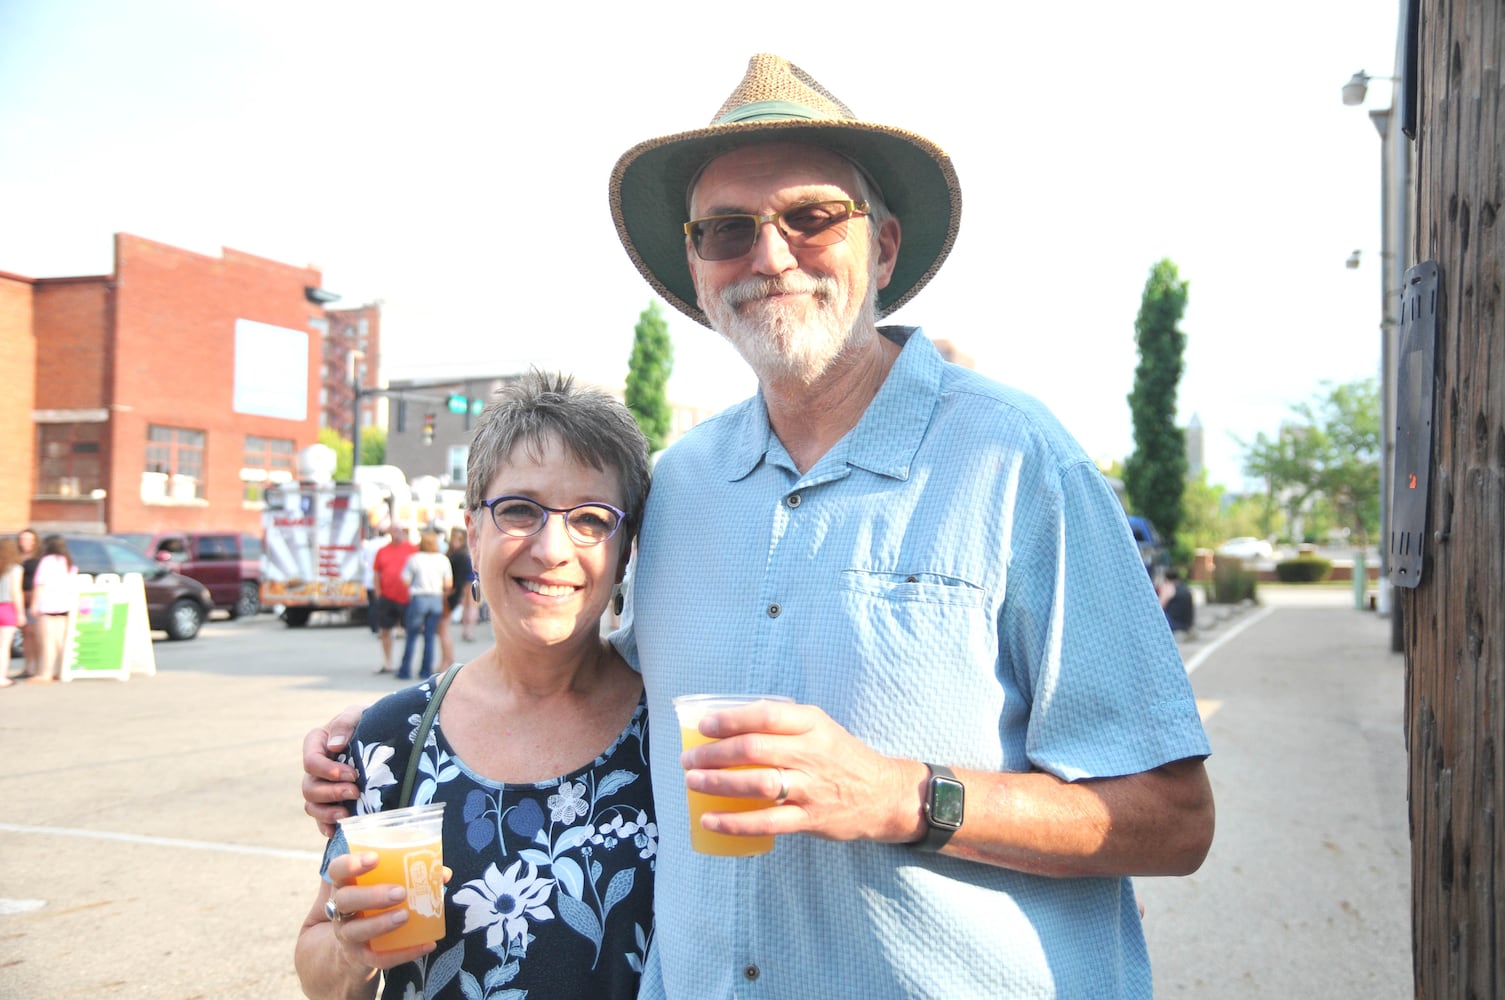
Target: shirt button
point(774, 611)
point(751, 972)
point(793, 500)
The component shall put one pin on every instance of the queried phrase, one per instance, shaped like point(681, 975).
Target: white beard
point(784, 342)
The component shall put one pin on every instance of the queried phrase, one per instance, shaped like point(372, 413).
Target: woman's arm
point(334, 959)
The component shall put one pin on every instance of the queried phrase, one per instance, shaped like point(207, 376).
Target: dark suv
point(174, 603)
point(1156, 557)
point(227, 562)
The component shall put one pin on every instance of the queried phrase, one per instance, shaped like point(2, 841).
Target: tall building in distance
point(352, 358)
point(1195, 459)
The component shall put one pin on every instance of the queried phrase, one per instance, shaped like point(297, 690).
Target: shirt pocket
point(924, 646)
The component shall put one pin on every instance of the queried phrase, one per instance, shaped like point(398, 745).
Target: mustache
point(752, 289)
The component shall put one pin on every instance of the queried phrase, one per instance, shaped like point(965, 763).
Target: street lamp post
point(1394, 178)
point(355, 412)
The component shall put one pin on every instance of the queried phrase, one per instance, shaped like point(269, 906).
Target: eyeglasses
point(818, 224)
point(586, 523)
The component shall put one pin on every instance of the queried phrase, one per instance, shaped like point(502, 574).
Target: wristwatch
point(945, 807)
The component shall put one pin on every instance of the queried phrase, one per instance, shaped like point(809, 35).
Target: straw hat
point(779, 102)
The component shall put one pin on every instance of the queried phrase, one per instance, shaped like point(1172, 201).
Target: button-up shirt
point(954, 582)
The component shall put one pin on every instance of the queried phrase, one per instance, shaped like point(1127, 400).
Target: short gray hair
point(594, 428)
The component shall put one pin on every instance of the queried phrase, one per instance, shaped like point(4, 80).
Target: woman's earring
point(618, 600)
point(475, 588)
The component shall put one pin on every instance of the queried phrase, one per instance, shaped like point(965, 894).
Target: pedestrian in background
point(391, 588)
point(53, 595)
point(429, 583)
point(369, 548)
point(462, 596)
point(12, 603)
point(30, 545)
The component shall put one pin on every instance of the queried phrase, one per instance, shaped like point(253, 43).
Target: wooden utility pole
point(1455, 620)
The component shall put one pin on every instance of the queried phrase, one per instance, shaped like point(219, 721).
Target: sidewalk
point(1306, 891)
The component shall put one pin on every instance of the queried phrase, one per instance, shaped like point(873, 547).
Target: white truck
point(314, 530)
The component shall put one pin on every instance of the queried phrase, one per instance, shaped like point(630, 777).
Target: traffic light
point(428, 427)
point(458, 403)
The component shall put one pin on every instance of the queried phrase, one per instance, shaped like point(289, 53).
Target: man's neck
point(810, 418)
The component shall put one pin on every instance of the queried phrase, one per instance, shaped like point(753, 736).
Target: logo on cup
point(425, 882)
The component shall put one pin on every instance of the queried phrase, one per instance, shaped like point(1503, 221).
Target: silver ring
point(334, 913)
point(783, 787)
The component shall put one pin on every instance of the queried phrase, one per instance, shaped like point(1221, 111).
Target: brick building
point(164, 394)
point(352, 346)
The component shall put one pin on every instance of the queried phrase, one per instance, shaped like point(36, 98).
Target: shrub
point(1303, 569)
point(1232, 582)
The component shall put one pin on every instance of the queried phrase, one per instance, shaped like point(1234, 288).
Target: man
point(391, 589)
point(1176, 599)
point(993, 725)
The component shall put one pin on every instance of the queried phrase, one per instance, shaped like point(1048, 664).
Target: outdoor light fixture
point(1357, 87)
point(1352, 263)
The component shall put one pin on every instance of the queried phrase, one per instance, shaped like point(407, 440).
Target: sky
point(451, 161)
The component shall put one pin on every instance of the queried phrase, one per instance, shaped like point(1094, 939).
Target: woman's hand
point(354, 933)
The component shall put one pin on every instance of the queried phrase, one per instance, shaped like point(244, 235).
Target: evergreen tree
point(648, 376)
point(1155, 475)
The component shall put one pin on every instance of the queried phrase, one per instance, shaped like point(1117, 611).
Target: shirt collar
point(888, 435)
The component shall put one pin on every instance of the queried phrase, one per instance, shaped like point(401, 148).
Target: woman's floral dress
point(552, 891)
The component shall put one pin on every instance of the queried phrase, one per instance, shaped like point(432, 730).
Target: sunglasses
point(817, 224)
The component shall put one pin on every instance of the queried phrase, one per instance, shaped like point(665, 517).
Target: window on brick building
point(178, 454)
point(70, 459)
point(266, 460)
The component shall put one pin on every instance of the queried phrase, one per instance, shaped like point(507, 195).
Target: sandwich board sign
point(108, 634)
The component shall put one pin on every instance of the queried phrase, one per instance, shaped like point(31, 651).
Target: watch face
point(946, 801)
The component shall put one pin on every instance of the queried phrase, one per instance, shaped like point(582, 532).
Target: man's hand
point(838, 787)
point(328, 784)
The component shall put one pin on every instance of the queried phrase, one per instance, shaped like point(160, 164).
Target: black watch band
point(944, 808)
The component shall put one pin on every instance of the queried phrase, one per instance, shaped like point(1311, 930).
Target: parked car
point(1245, 547)
point(1153, 551)
point(227, 562)
point(175, 604)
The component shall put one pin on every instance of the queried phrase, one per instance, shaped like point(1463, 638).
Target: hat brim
point(650, 182)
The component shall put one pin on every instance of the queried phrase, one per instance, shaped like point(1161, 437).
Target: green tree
point(648, 376)
point(1155, 475)
point(342, 451)
point(373, 446)
point(1322, 468)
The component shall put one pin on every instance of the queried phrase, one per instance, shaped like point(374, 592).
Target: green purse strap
point(422, 735)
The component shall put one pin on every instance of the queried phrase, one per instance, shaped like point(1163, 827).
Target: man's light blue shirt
point(954, 582)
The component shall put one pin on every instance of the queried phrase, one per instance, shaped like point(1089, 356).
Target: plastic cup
point(691, 708)
point(409, 846)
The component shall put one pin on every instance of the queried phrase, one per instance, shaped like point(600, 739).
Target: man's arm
point(1158, 822)
point(328, 784)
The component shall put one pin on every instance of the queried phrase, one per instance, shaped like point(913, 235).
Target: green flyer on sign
point(108, 635)
point(99, 629)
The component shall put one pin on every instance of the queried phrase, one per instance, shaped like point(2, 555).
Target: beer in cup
point(409, 847)
point(690, 709)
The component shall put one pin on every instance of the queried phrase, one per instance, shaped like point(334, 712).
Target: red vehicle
point(227, 562)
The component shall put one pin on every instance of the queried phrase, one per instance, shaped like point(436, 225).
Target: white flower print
point(503, 903)
point(569, 803)
point(374, 757)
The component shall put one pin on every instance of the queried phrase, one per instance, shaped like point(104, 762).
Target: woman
point(429, 582)
point(12, 603)
point(540, 746)
point(31, 553)
point(52, 599)
point(459, 596)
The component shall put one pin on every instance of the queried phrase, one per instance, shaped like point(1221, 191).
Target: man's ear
point(888, 252)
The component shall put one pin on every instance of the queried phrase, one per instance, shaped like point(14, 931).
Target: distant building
point(163, 395)
point(1194, 452)
point(352, 359)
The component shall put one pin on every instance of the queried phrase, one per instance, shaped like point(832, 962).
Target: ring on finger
point(334, 913)
point(783, 787)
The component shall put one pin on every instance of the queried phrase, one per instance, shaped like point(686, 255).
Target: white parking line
point(192, 845)
point(1210, 648)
